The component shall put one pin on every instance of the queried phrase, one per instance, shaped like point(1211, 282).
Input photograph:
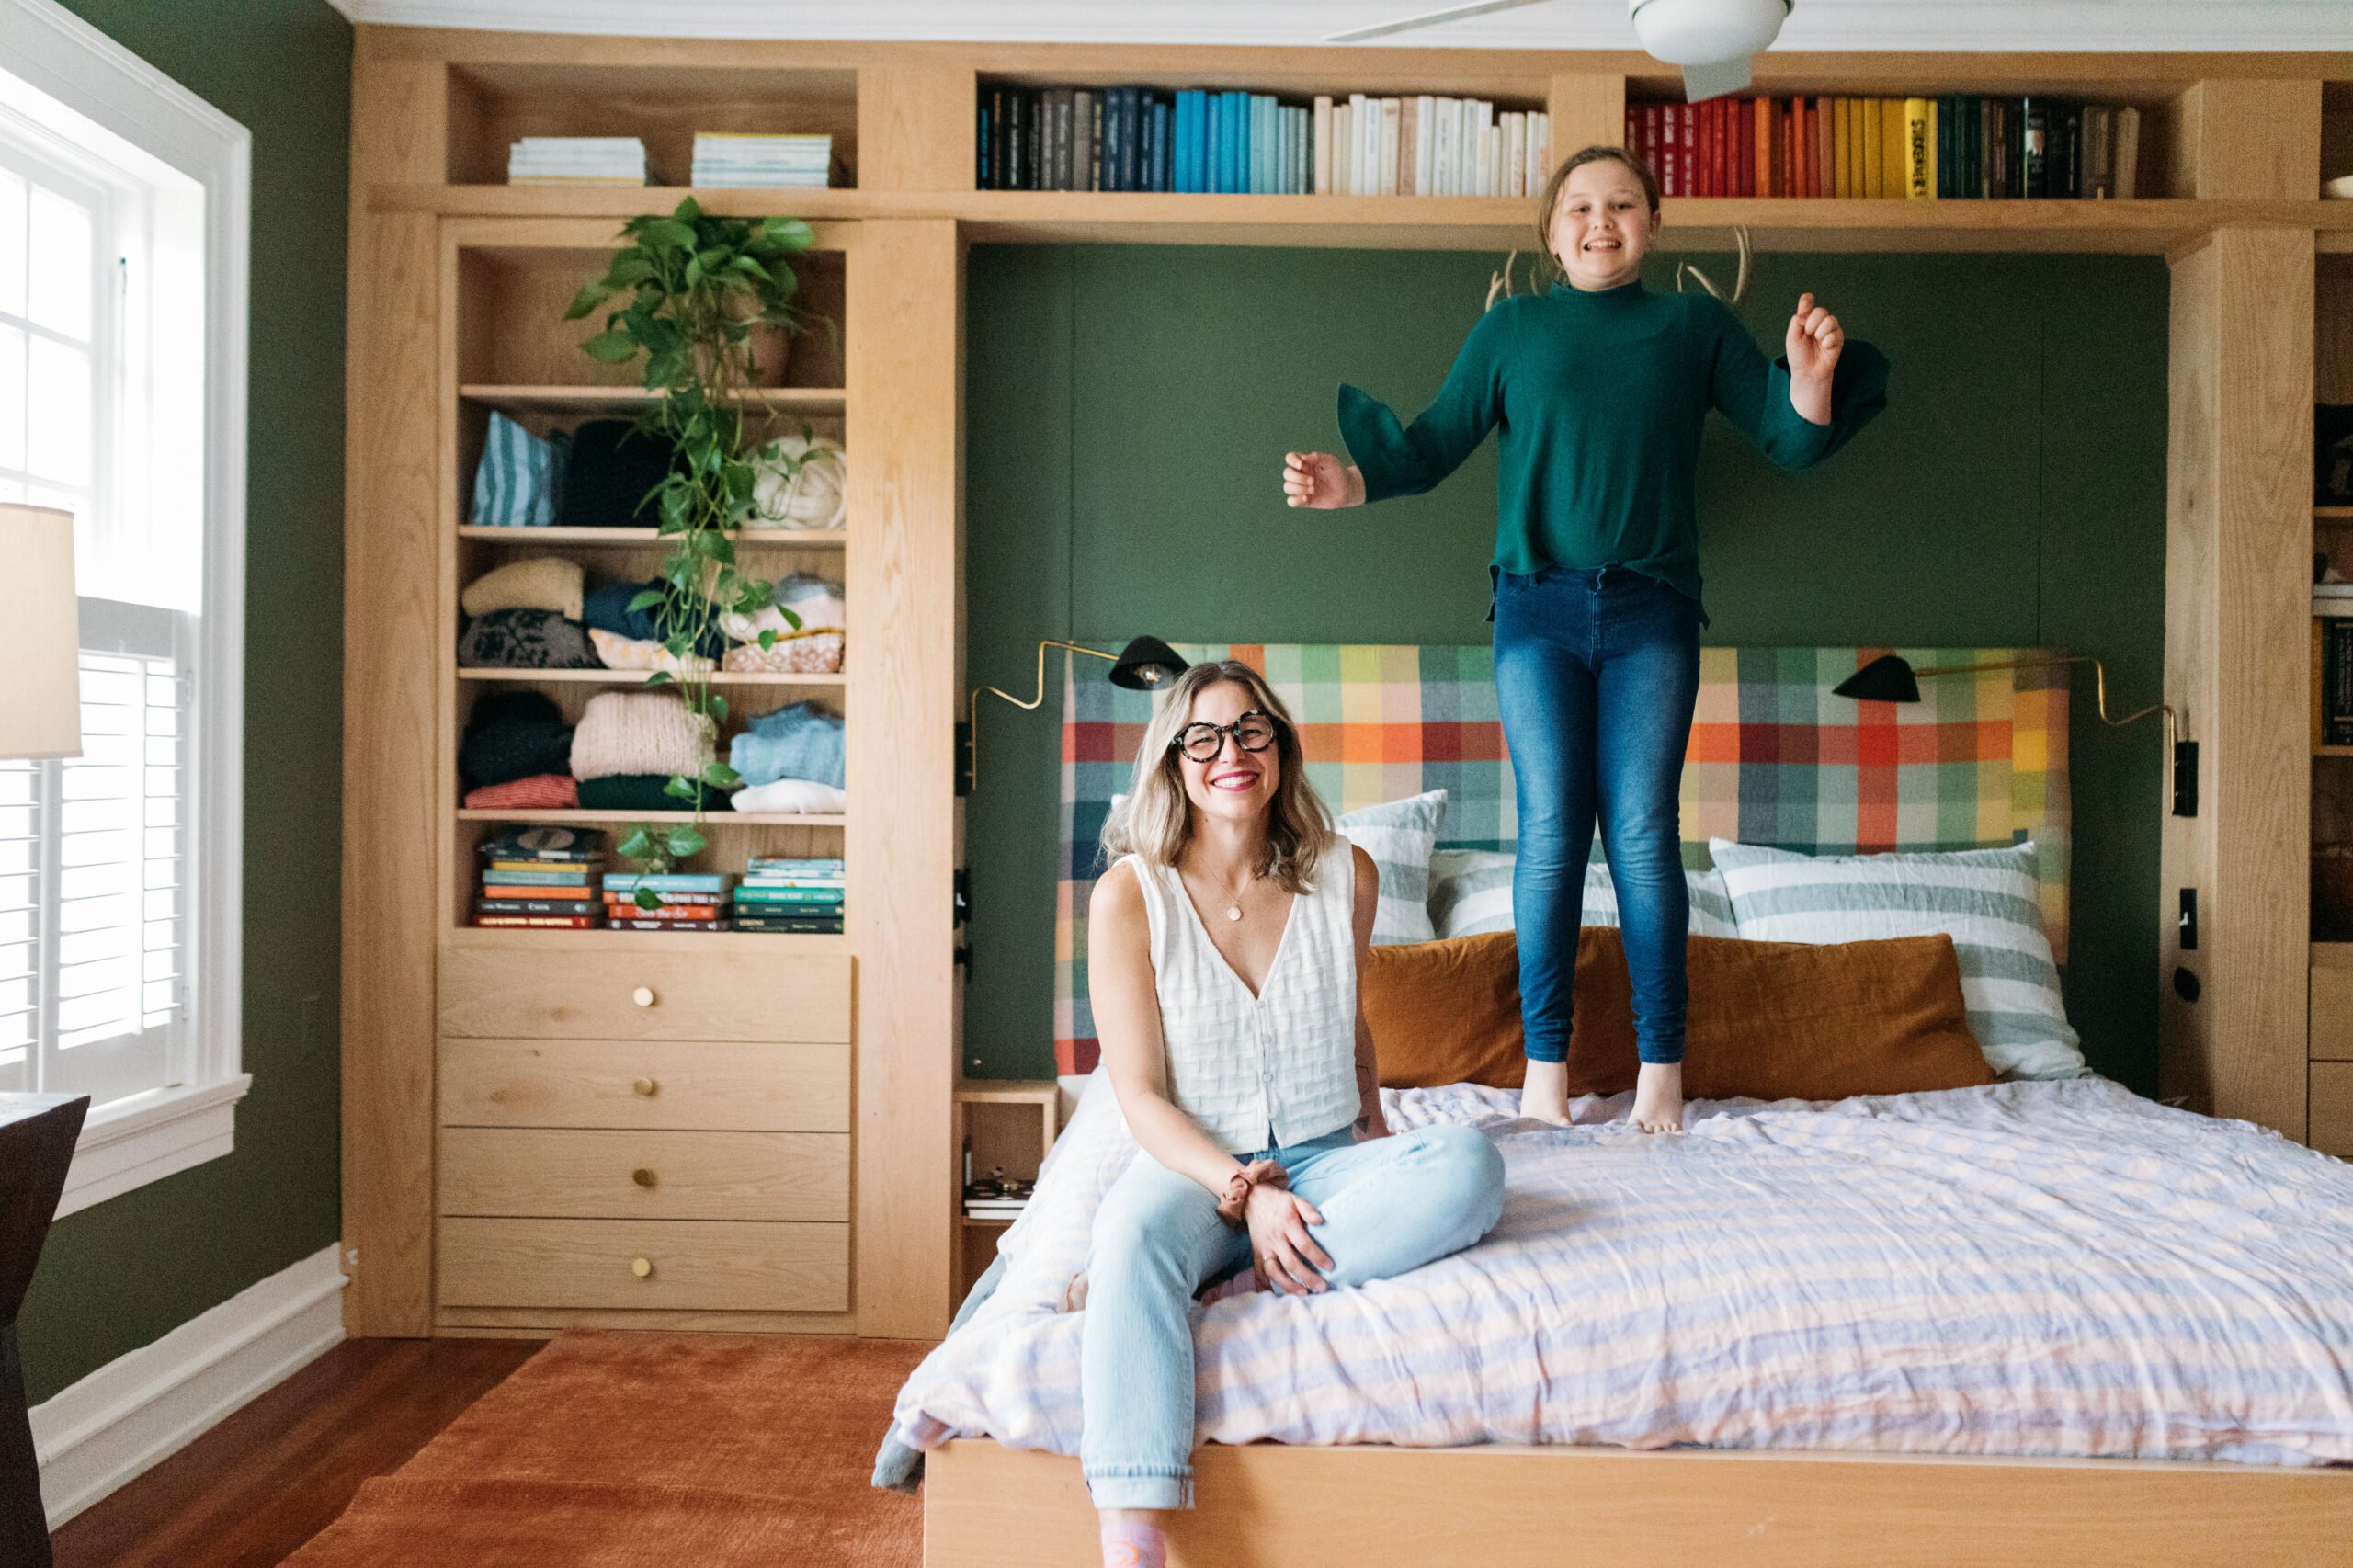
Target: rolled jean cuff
point(1659, 1053)
point(1548, 1048)
point(1141, 1489)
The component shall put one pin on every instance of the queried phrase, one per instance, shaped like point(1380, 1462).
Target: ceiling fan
point(1711, 40)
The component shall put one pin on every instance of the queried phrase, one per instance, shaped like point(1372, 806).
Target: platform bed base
point(1267, 1506)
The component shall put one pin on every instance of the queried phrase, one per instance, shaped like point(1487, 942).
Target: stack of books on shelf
point(674, 900)
point(539, 876)
point(997, 1197)
point(797, 897)
point(746, 161)
point(576, 160)
point(1253, 143)
point(1953, 148)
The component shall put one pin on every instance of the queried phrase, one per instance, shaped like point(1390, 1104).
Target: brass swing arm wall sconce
point(1146, 663)
point(1892, 678)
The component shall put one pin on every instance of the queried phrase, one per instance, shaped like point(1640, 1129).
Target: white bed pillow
point(1987, 900)
point(1399, 835)
point(1471, 892)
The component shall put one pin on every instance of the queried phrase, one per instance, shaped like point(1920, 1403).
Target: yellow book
point(1892, 144)
point(1874, 161)
point(1842, 147)
point(1919, 149)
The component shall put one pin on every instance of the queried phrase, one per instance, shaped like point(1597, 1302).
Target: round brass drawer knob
point(645, 1088)
point(641, 1177)
point(643, 1268)
point(643, 995)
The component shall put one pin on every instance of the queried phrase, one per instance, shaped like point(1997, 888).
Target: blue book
point(1132, 108)
point(1183, 150)
point(1288, 134)
point(1266, 142)
point(575, 878)
point(1156, 143)
point(1237, 143)
point(1194, 138)
point(664, 882)
point(1212, 174)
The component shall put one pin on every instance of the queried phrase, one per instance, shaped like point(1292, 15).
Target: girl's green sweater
point(1600, 397)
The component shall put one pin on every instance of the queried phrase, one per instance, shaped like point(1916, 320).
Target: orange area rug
point(652, 1450)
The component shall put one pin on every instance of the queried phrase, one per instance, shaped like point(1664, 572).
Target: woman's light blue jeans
point(1389, 1206)
point(1596, 671)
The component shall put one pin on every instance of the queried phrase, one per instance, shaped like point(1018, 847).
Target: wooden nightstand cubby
point(1012, 1124)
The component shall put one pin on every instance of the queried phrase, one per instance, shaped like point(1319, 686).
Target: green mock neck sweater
point(1600, 397)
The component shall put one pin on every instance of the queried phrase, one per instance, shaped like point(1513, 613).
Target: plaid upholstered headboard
point(1775, 759)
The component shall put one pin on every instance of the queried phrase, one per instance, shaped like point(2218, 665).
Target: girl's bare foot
point(1544, 1095)
point(1658, 1097)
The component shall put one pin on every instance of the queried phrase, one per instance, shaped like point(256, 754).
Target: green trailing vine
point(692, 291)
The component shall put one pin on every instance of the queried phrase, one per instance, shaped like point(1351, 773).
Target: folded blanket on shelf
point(538, 581)
point(538, 792)
point(802, 740)
point(793, 654)
point(798, 481)
point(518, 483)
point(523, 640)
point(642, 733)
point(642, 792)
point(638, 654)
point(817, 602)
point(797, 796)
point(606, 608)
point(511, 735)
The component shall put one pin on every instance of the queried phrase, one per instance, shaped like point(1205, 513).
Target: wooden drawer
point(712, 1265)
point(505, 992)
point(571, 1173)
point(721, 1084)
point(2332, 1026)
point(2331, 1109)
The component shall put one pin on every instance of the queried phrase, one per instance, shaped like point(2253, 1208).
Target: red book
point(1745, 117)
point(1651, 115)
point(1810, 146)
point(620, 907)
point(1670, 177)
point(1719, 147)
point(557, 922)
point(1688, 153)
point(1786, 170)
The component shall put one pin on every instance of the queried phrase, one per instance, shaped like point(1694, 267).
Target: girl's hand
point(1284, 1254)
point(1321, 481)
point(1813, 342)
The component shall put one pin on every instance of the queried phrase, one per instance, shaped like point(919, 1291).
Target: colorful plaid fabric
point(1775, 759)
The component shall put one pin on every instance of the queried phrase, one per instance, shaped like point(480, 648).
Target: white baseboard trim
point(142, 1407)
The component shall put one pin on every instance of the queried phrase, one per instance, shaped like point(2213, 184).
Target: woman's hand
point(1813, 343)
point(1321, 481)
point(1284, 1254)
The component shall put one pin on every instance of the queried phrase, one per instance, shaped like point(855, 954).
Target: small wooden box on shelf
point(1011, 1124)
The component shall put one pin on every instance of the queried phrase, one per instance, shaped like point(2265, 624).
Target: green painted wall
point(1127, 412)
point(119, 1275)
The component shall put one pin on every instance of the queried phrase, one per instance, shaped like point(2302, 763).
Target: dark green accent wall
point(1127, 412)
point(121, 1274)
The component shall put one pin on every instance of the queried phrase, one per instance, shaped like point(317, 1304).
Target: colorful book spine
point(539, 921)
point(670, 881)
point(487, 905)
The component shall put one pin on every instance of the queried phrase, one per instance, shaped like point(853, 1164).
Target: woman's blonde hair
point(1156, 818)
point(1550, 197)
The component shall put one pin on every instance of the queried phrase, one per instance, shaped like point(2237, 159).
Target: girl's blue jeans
point(1390, 1205)
point(1596, 674)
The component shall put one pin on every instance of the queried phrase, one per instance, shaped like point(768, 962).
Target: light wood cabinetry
point(489, 1071)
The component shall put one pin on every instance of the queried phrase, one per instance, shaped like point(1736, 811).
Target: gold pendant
point(1234, 912)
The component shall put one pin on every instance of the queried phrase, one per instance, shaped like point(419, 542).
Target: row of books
point(576, 160)
point(553, 877)
point(539, 877)
point(1953, 148)
point(1196, 140)
point(721, 159)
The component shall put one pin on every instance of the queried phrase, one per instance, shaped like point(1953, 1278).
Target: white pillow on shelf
point(1987, 900)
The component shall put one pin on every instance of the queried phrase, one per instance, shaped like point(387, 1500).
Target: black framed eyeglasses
point(1254, 731)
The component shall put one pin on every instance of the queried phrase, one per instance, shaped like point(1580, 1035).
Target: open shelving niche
point(514, 352)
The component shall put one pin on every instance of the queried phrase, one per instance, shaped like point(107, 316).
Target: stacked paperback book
point(796, 897)
point(576, 160)
point(673, 900)
point(1953, 148)
point(1198, 140)
point(539, 876)
point(731, 160)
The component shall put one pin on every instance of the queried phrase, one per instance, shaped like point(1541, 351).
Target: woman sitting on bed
point(1223, 948)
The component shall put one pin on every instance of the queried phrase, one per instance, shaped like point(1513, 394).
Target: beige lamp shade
point(40, 705)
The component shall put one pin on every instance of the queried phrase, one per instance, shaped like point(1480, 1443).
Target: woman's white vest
point(1277, 1068)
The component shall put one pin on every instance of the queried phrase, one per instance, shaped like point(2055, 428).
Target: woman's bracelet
point(1232, 1206)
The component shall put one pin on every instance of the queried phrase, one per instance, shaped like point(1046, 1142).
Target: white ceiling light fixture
point(1714, 40)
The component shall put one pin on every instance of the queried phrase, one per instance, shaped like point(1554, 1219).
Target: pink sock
point(1135, 1545)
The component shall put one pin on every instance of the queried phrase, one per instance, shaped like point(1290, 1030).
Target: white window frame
point(145, 1137)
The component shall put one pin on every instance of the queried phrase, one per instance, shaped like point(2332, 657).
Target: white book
point(1322, 144)
point(1515, 165)
point(2127, 152)
point(1392, 111)
point(1369, 148)
point(1425, 137)
point(1466, 149)
point(1443, 157)
point(1358, 162)
point(1540, 155)
point(1486, 148)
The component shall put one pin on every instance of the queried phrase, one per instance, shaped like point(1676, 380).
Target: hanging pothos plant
point(696, 288)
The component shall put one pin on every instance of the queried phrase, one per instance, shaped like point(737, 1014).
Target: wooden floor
point(277, 1472)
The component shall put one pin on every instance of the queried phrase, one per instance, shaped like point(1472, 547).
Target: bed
point(2046, 1322)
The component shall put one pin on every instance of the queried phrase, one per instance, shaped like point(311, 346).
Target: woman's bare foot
point(1544, 1095)
point(1074, 1293)
point(1658, 1097)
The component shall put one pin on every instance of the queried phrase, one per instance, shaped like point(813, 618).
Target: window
point(122, 267)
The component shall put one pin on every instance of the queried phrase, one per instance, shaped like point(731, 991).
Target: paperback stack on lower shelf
point(666, 901)
point(796, 897)
point(745, 162)
point(538, 877)
point(576, 160)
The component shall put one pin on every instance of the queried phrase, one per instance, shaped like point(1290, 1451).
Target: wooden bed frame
point(1270, 1505)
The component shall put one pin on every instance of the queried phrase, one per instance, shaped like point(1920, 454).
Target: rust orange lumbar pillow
point(1445, 1012)
point(1787, 1020)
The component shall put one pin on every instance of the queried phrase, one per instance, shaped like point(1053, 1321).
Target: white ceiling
point(2106, 25)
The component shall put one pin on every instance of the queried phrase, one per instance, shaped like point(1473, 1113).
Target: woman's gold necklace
point(1233, 902)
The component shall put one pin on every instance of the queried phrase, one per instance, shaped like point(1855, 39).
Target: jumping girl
point(1600, 388)
point(1223, 948)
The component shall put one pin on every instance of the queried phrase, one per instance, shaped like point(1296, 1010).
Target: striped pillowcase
point(1399, 835)
point(1987, 900)
point(518, 481)
point(1471, 892)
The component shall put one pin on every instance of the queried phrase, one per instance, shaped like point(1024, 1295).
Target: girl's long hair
point(1156, 819)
